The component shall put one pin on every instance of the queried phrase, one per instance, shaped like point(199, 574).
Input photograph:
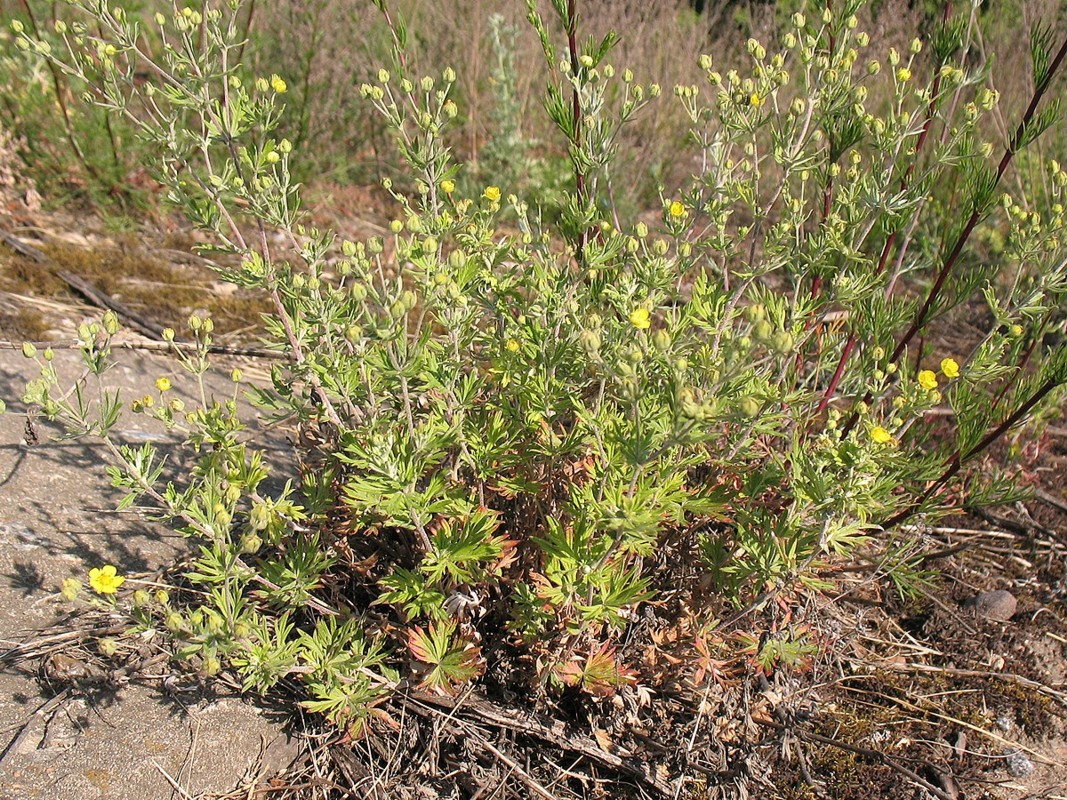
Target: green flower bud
point(755, 312)
point(456, 259)
point(750, 406)
point(590, 341)
point(783, 342)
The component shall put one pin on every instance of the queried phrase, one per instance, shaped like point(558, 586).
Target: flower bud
point(763, 331)
point(750, 406)
point(590, 341)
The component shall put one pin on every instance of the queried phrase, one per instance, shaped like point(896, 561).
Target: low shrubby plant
point(523, 436)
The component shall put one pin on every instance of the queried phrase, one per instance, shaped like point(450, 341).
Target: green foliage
point(73, 149)
point(537, 427)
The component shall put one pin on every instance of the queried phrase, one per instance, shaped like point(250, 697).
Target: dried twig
point(22, 248)
point(900, 769)
point(1009, 677)
point(139, 323)
point(1047, 497)
point(551, 731)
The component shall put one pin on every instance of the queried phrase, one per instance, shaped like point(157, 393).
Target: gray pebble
point(999, 605)
point(1019, 766)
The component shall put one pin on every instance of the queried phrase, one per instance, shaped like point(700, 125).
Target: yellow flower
point(640, 319)
point(755, 100)
point(492, 194)
point(903, 74)
point(950, 368)
point(278, 85)
point(512, 346)
point(448, 186)
point(104, 580)
point(880, 435)
point(163, 384)
point(677, 210)
point(927, 379)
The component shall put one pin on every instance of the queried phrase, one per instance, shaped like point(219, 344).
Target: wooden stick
point(22, 248)
point(141, 324)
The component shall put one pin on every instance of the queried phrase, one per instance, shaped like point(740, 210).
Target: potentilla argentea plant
point(526, 432)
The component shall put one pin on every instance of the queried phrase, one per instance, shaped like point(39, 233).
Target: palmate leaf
point(599, 673)
point(464, 550)
point(447, 661)
point(410, 590)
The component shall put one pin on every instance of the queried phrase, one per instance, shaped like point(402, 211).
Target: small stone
point(999, 605)
point(1019, 766)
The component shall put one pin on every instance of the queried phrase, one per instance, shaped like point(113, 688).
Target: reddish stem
point(957, 461)
point(972, 221)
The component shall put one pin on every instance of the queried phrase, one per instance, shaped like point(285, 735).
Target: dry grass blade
point(1011, 677)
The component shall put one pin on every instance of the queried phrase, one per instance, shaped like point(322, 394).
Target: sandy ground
point(57, 520)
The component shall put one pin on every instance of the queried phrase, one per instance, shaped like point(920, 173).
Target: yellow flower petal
point(880, 435)
point(492, 194)
point(640, 319)
point(105, 580)
point(949, 368)
point(927, 379)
